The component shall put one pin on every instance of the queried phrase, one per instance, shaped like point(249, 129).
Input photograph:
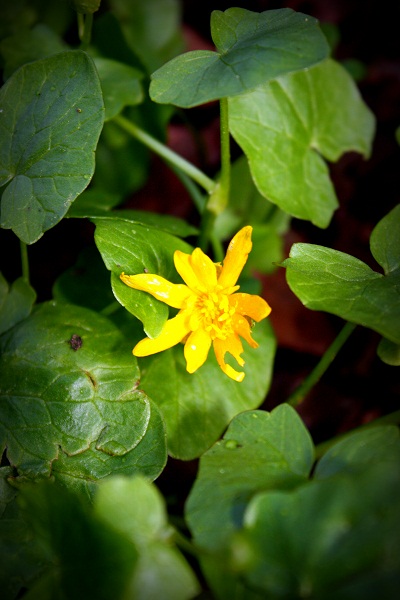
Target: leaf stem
point(390, 419)
point(24, 261)
point(85, 23)
point(166, 153)
point(301, 392)
point(110, 309)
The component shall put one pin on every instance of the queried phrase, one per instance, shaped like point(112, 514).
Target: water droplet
point(222, 471)
point(231, 444)
point(254, 416)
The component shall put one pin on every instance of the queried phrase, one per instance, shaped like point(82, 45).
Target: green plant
point(86, 427)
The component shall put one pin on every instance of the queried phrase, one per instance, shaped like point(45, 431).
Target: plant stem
point(390, 419)
point(24, 261)
point(220, 196)
point(110, 308)
point(85, 29)
point(166, 153)
point(301, 392)
point(225, 179)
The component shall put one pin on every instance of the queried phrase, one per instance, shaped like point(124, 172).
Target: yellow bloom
point(211, 310)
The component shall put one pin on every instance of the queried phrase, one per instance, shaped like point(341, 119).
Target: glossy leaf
point(302, 116)
point(69, 398)
point(259, 451)
point(29, 45)
point(47, 140)
point(16, 302)
point(151, 28)
point(336, 538)
point(335, 282)
point(120, 85)
point(92, 204)
point(252, 48)
point(197, 407)
point(136, 509)
point(134, 248)
point(389, 352)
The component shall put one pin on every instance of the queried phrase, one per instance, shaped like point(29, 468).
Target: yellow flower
point(211, 310)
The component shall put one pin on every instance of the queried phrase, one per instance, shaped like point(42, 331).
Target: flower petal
point(236, 257)
point(242, 328)
point(170, 293)
point(183, 264)
point(250, 305)
point(234, 346)
point(196, 349)
point(204, 269)
point(173, 332)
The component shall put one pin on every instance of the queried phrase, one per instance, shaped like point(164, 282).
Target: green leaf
point(120, 85)
point(29, 45)
point(15, 302)
point(302, 116)
point(389, 352)
point(336, 538)
point(69, 398)
point(360, 450)
point(86, 6)
point(259, 451)
point(197, 407)
point(385, 241)
point(89, 559)
point(92, 204)
point(134, 248)
point(48, 137)
point(355, 292)
point(136, 509)
point(252, 48)
point(152, 29)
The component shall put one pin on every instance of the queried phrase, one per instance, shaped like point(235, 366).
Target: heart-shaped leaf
point(301, 116)
point(134, 248)
point(15, 302)
point(259, 451)
point(69, 398)
point(335, 282)
point(252, 48)
point(47, 140)
point(197, 407)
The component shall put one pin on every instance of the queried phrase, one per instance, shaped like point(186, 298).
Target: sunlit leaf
point(252, 48)
point(133, 248)
point(47, 140)
point(69, 398)
point(302, 117)
point(335, 282)
point(197, 407)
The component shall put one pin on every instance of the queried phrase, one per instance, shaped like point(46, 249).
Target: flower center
point(215, 314)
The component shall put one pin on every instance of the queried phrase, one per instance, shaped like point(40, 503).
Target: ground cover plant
point(159, 436)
